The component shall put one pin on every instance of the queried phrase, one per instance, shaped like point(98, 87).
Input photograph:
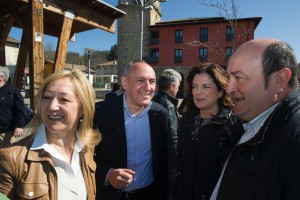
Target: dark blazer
point(267, 166)
point(112, 151)
point(110, 95)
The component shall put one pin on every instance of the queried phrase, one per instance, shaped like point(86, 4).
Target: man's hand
point(120, 178)
point(18, 132)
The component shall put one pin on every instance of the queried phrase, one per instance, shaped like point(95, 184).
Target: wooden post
point(62, 45)
point(4, 31)
point(21, 62)
point(36, 54)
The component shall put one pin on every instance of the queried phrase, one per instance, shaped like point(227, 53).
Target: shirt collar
point(40, 141)
point(256, 123)
point(145, 110)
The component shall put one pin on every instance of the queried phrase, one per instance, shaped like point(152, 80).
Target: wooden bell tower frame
point(58, 18)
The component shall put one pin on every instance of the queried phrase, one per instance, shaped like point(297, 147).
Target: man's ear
point(282, 78)
point(124, 81)
point(171, 86)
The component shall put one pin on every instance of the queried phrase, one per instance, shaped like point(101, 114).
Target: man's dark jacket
point(110, 95)
point(268, 165)
point(112, 151)
point(170, 104)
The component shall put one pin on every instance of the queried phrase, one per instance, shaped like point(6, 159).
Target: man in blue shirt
point(132, 157)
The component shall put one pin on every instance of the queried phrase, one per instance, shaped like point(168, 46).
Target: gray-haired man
point(168, 83)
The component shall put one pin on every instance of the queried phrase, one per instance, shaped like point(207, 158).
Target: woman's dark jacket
point(202, 144)
point(268, 165)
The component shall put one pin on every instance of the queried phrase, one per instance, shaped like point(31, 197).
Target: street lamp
point(143, 4)
point(88, 53)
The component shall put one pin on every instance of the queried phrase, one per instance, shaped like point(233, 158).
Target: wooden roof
point(206, 20)
point(89, 14)
point(57, 18)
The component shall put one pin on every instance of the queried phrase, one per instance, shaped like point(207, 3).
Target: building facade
point(185, 43)
point(179, 44)
point(133, 31)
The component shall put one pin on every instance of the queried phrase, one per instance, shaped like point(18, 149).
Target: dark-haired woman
point(203, 138)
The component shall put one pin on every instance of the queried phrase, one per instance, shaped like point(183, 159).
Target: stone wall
point(129, 32)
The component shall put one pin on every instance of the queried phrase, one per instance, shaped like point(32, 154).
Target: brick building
point(187, 42)
point(178, 44)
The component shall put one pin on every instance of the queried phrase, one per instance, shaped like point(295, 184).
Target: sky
point(280, 20)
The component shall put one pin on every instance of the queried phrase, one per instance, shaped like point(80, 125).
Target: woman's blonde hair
point(86, 94)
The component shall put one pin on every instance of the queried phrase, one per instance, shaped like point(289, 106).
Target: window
point(179, 36)
point(203, 34)
point(154, 37)
point(154, 56)
point(203, 54)
point(228, 52)
point(178, 56)
point(154, 53)
point(229, 33)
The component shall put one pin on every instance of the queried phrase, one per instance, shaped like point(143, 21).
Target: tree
point(298, 72)
point(113, 54)
point(73, 58)
point(228, 13)
point(49, 52)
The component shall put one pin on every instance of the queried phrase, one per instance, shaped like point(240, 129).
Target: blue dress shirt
point(139, 153)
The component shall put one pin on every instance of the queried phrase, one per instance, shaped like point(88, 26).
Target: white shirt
point(71, 184)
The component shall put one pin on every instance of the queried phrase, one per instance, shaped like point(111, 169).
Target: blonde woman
point(56, 161)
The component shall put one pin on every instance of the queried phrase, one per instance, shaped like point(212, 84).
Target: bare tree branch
point(228, 10)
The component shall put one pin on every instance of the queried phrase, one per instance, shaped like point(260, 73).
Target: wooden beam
point(4, 31)
point(62, 45)
point(92, 15)
point(22, 58)
point(36, 54)
point(85, 15)
point(2, 48)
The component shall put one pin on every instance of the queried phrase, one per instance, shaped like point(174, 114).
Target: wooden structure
point(58, 18)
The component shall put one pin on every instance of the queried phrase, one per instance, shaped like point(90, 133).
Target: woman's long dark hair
point(220, 78)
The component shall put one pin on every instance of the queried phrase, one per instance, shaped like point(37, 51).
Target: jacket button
point(252, 157)
point(30, 194)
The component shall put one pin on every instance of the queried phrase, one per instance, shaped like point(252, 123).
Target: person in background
point(202, 136)
point(168, 84)
point(12, 113)
point(132, 159)
point(114, 91)
point(182, 106)
point(56, 160)
point(265, 163)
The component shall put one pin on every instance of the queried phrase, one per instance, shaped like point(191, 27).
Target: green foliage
point(113, 55)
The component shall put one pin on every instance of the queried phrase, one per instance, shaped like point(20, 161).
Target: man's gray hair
point(169, 76)
point(5, 71)
point(128, 67)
